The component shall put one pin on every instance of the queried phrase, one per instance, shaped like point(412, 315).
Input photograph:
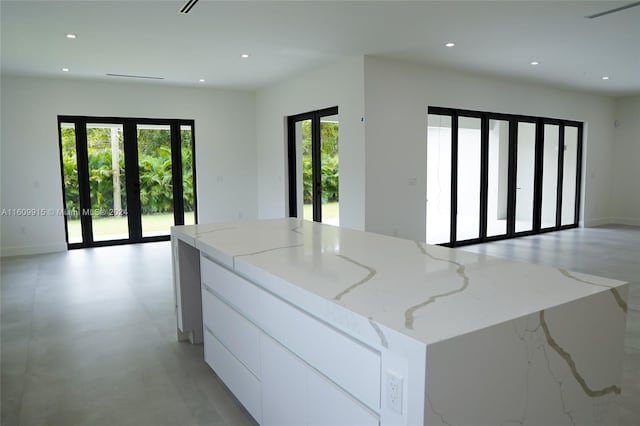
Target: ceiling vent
point(617, 9)
point(134, 76)
point(186, 8)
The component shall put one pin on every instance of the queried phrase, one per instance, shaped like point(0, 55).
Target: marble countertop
point(426, 292)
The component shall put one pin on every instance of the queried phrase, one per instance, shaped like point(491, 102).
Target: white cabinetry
point(256, 343)
point(311, 324)
point(244, 385)
point(299, 395)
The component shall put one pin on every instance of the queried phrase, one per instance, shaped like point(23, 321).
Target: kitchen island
point(311, 324)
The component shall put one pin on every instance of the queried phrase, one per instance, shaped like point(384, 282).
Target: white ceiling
point(285, 38)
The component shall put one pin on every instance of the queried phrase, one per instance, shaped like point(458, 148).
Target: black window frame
point(513, 120)
point(130, 143)
point(316, 164)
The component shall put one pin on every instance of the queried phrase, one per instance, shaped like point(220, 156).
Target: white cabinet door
point(352, 365)
point(233, 330)
point(329, 405)
point(294, 394)
point(283, 384)
point(244, 385)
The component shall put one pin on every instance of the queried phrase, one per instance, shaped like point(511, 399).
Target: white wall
point(340, 84)
point(626, 162)
point(224, 133)
point(392, 165)
point(397, 95)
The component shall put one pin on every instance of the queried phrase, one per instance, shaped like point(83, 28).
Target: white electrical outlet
point(394, 392)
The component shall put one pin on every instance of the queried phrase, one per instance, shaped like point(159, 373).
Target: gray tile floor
point(88, 336)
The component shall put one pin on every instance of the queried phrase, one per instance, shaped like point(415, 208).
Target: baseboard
point(611, 221)
point(598, 222)
point(31, 250)
point(630, 221)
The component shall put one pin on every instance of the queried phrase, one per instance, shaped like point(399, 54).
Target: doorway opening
point(126, 180)
point(493, 176)
point(314, 177)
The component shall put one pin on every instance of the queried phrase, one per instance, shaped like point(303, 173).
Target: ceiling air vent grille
point(617, 9)
point(186, 8)
point(134, 76)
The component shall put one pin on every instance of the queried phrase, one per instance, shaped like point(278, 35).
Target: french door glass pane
point(71, 191)
point(525, 171)
point(329, 126)
point(498, 173)
point(438, 178)
point(107, 183)
point(569, 175)
point(550, 175)
point(156, 180)
point(186, 138)
point(468, 217)
point(305, 174)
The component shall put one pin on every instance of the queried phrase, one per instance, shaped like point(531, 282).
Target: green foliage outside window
point(156, 190)
point(329, 160)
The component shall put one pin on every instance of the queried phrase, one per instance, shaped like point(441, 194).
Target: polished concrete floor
point(88, 336)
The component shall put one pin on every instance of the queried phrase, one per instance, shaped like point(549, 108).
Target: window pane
point(329, 127)
point(525, 173)
point(569, 174)
point(71, 191)
point(550, 175)
point(304, 178)
point(156, 179)
point(107, 186)
point(188, 185)
point(468, 217)
point(498, 172)
point(438, 179)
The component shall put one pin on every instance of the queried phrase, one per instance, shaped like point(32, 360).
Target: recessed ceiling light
point(605, 77)
point(71, 35)
point(535, 63)
point(450, 44)
point(244, 55)
point(201, 80)
point(65, 69)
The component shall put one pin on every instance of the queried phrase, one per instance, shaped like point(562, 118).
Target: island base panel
point(560, 366)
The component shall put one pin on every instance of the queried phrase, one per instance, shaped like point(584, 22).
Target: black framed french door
point(492, 176)
point(313, 165)
point(126, 180)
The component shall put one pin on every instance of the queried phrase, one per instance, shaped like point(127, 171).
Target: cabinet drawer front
point(285, 377)
point(238, 379)
point(233, 330)
point(351, 365)
point(233, 289)
point(330, 405)
point(305, 397)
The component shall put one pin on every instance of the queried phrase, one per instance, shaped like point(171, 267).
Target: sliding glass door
point(525, 175)
point(314, 166)
point(70, 179)
point(492, 176)
point(571, 154)
point(126, 180)
point(156, 178)
point(187, 155)
point(439, 165)
point(469, 147)
point(550, 176)
point(107, 181)
point(498, 178)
